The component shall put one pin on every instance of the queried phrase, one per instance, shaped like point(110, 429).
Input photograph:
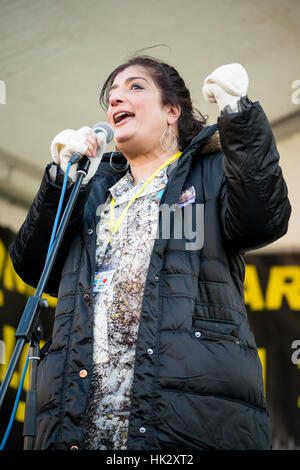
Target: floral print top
point(120, 277)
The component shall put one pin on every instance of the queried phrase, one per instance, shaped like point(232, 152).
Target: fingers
point(210, 92)
point(92, 144)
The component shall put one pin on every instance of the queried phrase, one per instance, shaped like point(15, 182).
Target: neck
point(143, 166)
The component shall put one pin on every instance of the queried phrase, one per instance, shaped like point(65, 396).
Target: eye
point(136, 86)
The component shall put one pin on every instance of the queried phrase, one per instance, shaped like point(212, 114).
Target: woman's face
point(136, 113)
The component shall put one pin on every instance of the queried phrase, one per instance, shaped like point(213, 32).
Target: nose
point(115, 98)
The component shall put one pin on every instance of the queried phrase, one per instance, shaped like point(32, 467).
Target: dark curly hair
point(173, 92)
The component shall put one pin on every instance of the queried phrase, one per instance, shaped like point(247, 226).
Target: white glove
point(226, 85)
point(70, 141)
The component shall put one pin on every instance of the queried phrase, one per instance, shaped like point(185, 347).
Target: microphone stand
point(29, 329)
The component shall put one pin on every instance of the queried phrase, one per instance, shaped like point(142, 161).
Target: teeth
point(119, 115)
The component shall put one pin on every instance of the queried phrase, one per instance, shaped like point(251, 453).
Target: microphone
point(106, 129)
point(103, 127)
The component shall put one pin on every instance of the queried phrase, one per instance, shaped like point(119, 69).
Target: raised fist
point(226, 85)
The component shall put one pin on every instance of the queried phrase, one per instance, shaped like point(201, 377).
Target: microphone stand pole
point(28, 329)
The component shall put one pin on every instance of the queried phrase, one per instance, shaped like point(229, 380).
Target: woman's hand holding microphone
point(83, 141)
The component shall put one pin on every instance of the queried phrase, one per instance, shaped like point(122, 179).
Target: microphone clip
point(83, 163)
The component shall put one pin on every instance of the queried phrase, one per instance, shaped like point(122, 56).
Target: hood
point(211, 145)
point(207, 141)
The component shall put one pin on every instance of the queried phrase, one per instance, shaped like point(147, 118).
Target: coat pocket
point(223, 322)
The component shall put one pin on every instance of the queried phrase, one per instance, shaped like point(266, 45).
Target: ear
point(173, 112)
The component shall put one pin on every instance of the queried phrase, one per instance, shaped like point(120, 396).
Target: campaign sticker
point(188, 196)
point(103, 278)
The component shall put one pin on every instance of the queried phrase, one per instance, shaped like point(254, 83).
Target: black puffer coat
point(202, 386)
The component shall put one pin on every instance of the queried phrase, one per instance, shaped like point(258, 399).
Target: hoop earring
point(117, 168)
point(163, 142)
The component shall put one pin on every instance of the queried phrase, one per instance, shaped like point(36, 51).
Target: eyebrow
point(129, 79)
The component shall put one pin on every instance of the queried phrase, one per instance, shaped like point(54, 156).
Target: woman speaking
point(151, 347)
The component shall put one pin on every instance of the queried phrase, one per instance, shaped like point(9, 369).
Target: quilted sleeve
point(254, 198)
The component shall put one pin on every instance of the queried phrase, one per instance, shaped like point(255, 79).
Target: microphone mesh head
point(104, 126)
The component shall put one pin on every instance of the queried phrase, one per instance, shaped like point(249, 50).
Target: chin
point(125, 143)
point(120, 137)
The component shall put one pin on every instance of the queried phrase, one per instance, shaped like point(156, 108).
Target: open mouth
point(121, 117)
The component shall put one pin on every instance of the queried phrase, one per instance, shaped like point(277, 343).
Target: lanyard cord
point(114, 229)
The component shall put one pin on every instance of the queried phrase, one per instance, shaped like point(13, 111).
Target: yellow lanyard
point(115, 228)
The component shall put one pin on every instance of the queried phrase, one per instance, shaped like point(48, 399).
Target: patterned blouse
point(120, 277)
